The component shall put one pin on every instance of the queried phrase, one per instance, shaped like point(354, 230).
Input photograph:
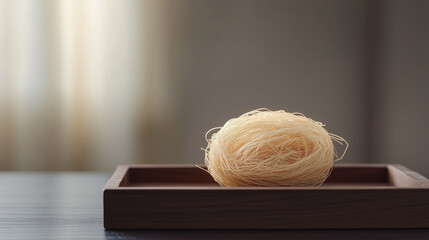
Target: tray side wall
point(267, 209)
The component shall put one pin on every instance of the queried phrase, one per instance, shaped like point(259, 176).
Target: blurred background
point(90, 84)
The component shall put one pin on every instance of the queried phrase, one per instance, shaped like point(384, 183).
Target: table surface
point(70, 206)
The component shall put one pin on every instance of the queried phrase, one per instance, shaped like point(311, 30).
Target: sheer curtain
point(74, 81)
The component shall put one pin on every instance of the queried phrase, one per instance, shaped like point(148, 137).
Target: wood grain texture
point(186, 197)
point(51, 206)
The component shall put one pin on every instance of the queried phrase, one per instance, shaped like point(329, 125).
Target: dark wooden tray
point(186, 197)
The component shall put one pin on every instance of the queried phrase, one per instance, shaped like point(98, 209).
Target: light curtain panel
point(79, 80)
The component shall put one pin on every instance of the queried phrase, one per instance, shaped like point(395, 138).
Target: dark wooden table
point(69, 206)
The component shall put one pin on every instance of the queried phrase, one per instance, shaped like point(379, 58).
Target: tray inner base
point(350, 177)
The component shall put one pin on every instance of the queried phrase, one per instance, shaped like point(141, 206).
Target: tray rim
point(419, 181)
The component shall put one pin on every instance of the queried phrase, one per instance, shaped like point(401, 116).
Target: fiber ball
point(271, 148)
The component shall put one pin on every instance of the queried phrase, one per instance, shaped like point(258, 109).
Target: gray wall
point(360, 67)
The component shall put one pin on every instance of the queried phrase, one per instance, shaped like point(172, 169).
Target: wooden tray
point(186, 197)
